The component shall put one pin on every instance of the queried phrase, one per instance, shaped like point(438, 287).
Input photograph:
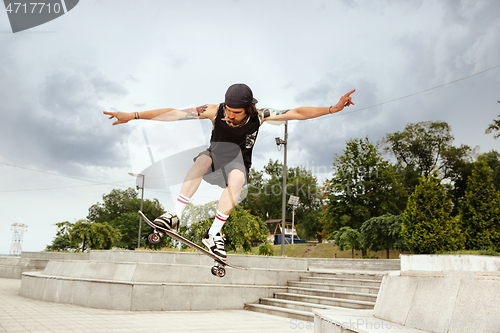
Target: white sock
point(180, 204)
point(219, 221)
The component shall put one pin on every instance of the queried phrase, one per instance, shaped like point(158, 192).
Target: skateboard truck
point(155, 237)
point(218, 269)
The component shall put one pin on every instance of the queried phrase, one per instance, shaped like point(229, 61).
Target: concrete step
point(283, 303)
point(334, 294)
point(363, 321)
point(335, 287)
point(351, 276)
point(281, 311)
point(341, 281)
point(341, 302)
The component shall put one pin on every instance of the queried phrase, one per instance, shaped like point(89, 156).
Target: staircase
point(322, 290)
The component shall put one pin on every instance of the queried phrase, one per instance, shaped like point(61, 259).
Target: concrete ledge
point(55, 255)
point(142, 296)
point(443, 302)
point(167, 273)
point(13, 267)
point(341, 320)
point(438, 263)
point(195, 258)
point(355, 264)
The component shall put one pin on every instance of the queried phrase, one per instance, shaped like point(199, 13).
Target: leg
point(171, 220)
point(235, 182)
point(195, 175)
point(212, 239)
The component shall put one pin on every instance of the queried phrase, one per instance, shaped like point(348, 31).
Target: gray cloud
point(61, 126)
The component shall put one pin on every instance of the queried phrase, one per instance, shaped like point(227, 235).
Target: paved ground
point(21, 314)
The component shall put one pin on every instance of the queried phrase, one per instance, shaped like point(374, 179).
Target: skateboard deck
point(158, 233)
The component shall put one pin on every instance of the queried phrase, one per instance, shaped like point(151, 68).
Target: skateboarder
point(227, 161)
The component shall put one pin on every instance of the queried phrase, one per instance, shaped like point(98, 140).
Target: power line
point(66, 187)
point(423, 91)
point(402, 97)
point(50, 173)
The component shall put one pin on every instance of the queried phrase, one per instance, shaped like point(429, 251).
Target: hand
point(121, 117)
point(345, 101)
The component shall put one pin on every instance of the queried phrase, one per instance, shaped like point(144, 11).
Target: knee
point(236, 179)
point(203, 162)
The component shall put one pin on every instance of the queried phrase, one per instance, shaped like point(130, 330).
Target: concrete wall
point(355, 264)
point(195, 258)
point(135, 296)
point(166, 273)
point(147, 280)
point(443, 301)
point(438, 263)
point(13, 267)
point(55, 255)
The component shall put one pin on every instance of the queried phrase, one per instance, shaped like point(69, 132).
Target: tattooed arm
point(202, 112)
point(305, 112)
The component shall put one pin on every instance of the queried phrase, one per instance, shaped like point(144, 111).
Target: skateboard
point(218, 268)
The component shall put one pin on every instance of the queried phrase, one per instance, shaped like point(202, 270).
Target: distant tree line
point(414, 190)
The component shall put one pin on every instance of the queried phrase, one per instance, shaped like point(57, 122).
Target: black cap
point(239, 96)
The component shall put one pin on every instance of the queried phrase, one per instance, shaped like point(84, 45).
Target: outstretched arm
point(306, 112)
point(201, 112)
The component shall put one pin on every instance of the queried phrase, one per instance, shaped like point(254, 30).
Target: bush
point(428, 226)
point(265, 249)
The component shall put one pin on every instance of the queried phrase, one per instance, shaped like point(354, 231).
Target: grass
point(473, 252)
point(309, 250)
point(327, 250)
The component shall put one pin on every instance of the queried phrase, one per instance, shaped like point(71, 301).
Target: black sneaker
point(169, 221)
point(215, 245)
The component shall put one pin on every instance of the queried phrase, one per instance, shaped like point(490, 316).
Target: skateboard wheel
point(214, 270)
point(154, 238)
point(221, 272)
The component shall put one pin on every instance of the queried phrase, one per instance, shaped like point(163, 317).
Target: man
point(228, 160)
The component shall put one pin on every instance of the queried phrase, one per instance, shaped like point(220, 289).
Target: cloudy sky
point(59, 154)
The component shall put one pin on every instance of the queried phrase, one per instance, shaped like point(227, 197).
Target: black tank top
point(227, 142)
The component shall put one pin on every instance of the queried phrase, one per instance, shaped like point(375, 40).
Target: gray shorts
point(218, 173)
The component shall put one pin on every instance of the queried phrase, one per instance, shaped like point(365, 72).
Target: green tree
point(480, 211)
point(264, 198)
point(494, 127)
point(384, 233)
point(198, 218)
point(347, 238)
point(94, 236)
point(196, 213)
point(492, 159)
point(240, 230)
point(120, 209)
point(62, 240)
point(363, 186)
point(423, 147)
point(428, 226)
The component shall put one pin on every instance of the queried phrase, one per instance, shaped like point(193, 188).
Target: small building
point(274, 227)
